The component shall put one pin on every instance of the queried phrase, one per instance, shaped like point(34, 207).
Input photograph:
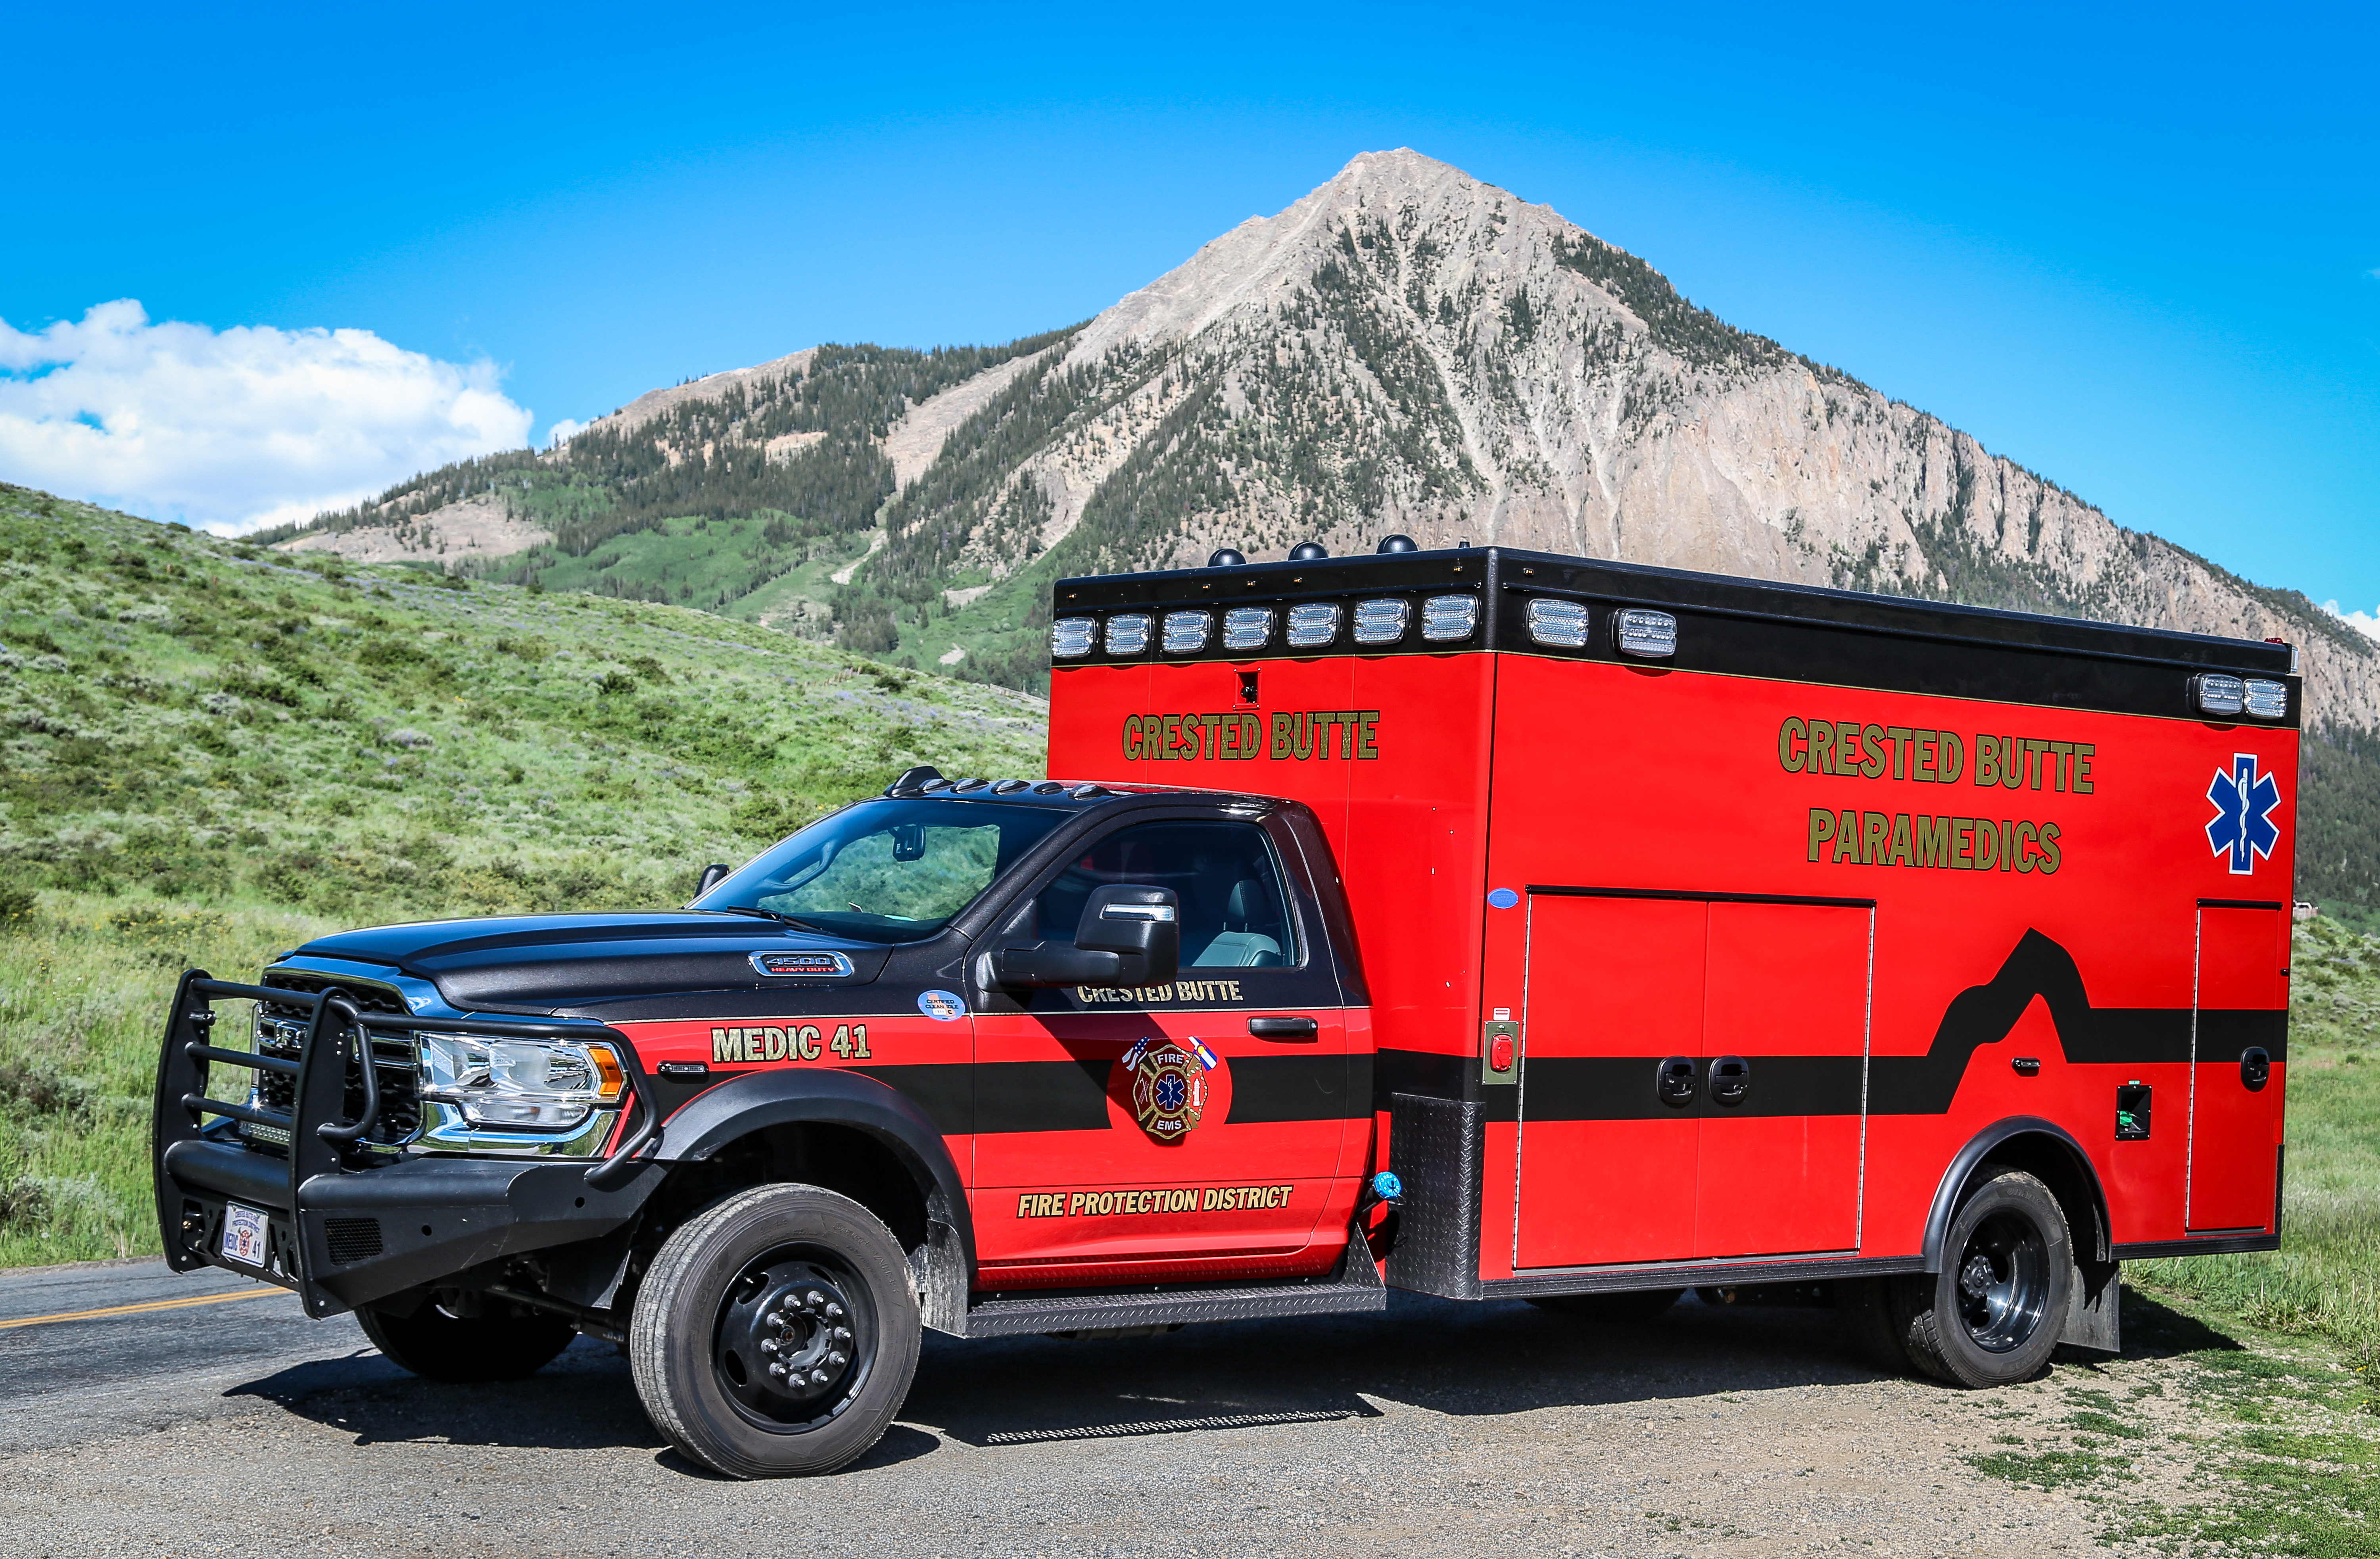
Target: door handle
point(1675, 1082)
point(1285, 1028)
point(1730, 1079)
point(2255, 1069)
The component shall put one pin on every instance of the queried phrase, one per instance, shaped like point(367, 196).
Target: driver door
point(1159, 1133)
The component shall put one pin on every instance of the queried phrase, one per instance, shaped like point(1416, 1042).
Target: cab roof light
point(1648, 636)
point(1247, 627)
point(2217, 693)
point(1313, 625)
point(1073, 638)
point(1381, 622)
point(1186, 632)
point(1128, 632)
point(1445, 618)
point(1009, 786)
point(2267, 700)
point(1562, 625)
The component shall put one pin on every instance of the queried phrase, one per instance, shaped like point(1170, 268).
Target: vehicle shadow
point(1443, 1355)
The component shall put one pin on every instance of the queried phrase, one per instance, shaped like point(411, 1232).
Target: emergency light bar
point(1381, 622)
point(2223, 695)
point(1445, 618)
point(1313, 625)
point(1247, 627)
point(1646, 635)
point(1128, 633)
point(1186, 632)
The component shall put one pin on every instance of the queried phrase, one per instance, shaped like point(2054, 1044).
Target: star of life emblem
point(2243, 827)
point(1169, 1085)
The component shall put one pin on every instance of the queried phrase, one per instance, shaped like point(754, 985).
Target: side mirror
point(712, 875)
point(1128, 936)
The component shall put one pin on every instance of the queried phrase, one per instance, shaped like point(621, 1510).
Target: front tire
point(776, 1333)
point(1993, 1314)
point(456, 1341)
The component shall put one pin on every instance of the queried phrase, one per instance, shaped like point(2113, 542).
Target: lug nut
point(813, 1299)
point(818, 1377)
point(843, 1333)
point(837, 1358)
point(777, 1370)
point(834, 1312)
point(767, 1344)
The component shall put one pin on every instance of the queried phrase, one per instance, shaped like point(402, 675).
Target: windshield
point(886, 871)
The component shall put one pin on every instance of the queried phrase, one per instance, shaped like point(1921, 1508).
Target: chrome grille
point(281, 1031)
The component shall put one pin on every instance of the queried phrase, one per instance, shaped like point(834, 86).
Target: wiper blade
point(765, 914)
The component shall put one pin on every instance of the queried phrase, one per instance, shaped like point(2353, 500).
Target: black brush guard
point(343, 1233)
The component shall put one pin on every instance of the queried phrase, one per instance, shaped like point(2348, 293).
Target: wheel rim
point(795, 1338)
point(2003, 1278)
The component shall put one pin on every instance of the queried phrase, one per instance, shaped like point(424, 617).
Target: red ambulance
point(1482, 924)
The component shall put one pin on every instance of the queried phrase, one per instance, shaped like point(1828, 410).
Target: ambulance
point(1482, 924)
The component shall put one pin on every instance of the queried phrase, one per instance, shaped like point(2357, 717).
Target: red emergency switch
point(1500, 1053)
point(1499, 1050)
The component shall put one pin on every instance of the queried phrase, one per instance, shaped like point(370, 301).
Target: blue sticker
point(942, 1006)
point(1502, 898)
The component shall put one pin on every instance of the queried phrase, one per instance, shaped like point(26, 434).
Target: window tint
point(1234, 914)
point(886, 871)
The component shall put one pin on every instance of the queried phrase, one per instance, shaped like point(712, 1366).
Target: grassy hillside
point(208, 753)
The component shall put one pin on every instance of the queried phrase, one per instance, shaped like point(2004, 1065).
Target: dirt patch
point(474, 528)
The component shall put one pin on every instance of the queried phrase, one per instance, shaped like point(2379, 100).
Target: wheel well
point(2053, 1163)
point(843, 1158)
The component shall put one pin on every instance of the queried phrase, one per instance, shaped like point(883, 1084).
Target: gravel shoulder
point(1439, 1428)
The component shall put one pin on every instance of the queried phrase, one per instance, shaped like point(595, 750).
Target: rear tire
point(1641, 1304)
point(1993, 1314)
point(505, 1342)
point(775, 1334)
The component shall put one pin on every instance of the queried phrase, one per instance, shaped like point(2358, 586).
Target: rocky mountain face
point(1409, 350)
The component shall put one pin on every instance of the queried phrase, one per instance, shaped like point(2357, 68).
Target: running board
point(1357, 1288)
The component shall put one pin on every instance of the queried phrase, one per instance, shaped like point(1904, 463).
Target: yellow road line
point(143, 1308)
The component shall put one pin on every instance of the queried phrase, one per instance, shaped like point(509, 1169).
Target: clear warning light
point(1561, 624)
point(2267, 701)
point(1071, 638)
point(1650, 635)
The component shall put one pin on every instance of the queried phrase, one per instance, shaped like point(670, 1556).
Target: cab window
point(1234, 913)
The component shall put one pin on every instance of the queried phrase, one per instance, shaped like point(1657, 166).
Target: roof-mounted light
point(1313, 625)
point(1247, 627)
point(1648, 636)
point(1445, 618)
point(1073, 638)
point(2267, 700)
point(1381, 622)
point(1128, 633)
point(2217, 693)
point(1562, 625)
point(1186, 632)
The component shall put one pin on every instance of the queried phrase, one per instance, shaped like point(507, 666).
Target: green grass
point(209, 753)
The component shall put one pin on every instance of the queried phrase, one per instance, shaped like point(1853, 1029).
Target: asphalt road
point(239, 1427)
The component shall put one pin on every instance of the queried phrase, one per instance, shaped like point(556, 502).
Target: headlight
point(516, 1084)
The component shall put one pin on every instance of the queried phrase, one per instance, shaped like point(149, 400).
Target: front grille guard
point(317, 1134)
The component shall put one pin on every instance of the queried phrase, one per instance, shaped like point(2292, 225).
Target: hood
point(555, 960)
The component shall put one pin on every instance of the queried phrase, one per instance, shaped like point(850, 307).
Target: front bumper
point(359, 1236)
point(345, 1228)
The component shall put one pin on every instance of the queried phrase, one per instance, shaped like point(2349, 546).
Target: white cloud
point(562, 433)
point(235, 429)
point(2365, 623)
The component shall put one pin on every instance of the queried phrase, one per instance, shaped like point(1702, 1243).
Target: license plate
point(243, 1235)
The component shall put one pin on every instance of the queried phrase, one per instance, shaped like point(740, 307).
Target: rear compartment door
point(1785, 1026)
point(2241, 1005)
point(1607, 1171)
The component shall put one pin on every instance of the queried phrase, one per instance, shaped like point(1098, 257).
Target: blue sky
point(2137, 251)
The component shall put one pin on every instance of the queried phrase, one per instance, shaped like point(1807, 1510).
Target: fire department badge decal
point(1169, 1085)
